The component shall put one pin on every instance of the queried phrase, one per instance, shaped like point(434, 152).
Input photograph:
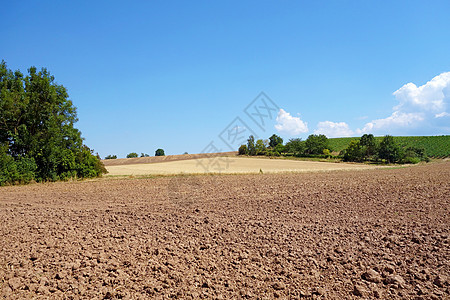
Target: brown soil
point(158, 159)
point(380, 233)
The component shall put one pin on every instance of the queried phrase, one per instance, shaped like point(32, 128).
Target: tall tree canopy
point(37, 133)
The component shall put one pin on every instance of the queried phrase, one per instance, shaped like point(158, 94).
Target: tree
point(369, 145)
point(243, 150)
point(389, 150)
point(354, 152)
point(315, 144)
point(260, 147)
point(159, 152)
point(37, 124)
point(111, 157)
point(275, 140)
point(132, 155)
point(279, 148)
point(296, 147)
point(251, 145)
point(144, 155)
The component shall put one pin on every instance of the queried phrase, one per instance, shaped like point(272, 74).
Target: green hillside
point(435, 146)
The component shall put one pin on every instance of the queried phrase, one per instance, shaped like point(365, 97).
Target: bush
point(132, 155)
point(111, 157)
point(410, 160)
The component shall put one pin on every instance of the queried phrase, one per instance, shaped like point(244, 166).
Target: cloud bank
point(422, 107)
point(290, 125)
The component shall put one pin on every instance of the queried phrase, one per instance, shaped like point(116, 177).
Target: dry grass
point(229, 165)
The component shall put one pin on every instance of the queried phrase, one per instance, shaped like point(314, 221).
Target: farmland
point(224, 165)
point(435, 146)
point(378, 233)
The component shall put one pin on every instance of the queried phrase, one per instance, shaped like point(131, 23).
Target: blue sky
point(175, 74)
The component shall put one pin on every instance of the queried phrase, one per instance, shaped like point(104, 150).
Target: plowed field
point(381, 233)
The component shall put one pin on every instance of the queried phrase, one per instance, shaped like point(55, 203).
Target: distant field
point(229, 165)
point(435, 146)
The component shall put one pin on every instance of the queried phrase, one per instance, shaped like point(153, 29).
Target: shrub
point(111, 157)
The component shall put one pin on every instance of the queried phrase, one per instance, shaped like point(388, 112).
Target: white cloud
point(442, 114)
point(289, 124)
point(333, 129)
point(397, 119)
point(417, 107)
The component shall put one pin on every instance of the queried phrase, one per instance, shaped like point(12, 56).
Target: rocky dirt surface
point(380, 233)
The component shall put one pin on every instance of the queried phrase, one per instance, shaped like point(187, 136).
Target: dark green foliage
point(368, 144)
point(275, 140)
point(389, 150)
point(251, 145)
point(243, 150)
point(111, 157)
point(315, 144)
point(144, 155)
point(159, 152)
point(132, 155)
point(296, 147)
point(260, 147)
point(37, 130)
point(279, 149)
point(12, 171)
point(434, 146)
point(354, 152)
point(361, 149)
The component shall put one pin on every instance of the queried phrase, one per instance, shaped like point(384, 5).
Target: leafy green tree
point(159, 152)
point(280, 148)
point(315, 144)
point(389, 150)
point(296, 147)
point(251, 145)
point(243, 150)
point(111, 157)
point(354, 152)
point(132, 155)
point(369, 145)
point(260, 147)
point(275, 140)
point(37, 124)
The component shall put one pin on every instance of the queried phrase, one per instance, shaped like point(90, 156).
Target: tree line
point(366, 149)
point(38, 140)
point(158, 152)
